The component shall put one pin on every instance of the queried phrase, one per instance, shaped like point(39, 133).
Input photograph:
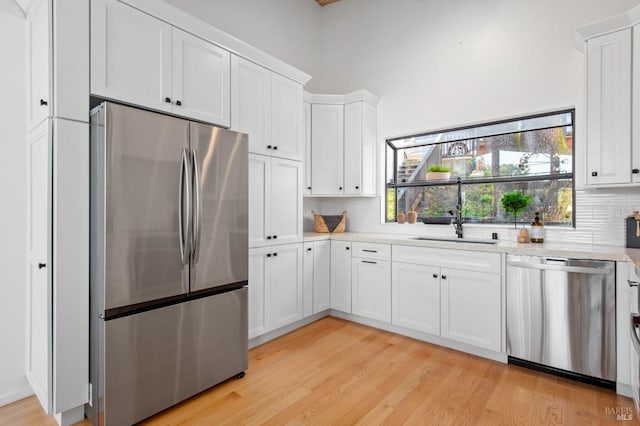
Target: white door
point(251, 103)
point(307, 148)
point(307, 279)
point(471, 304)
point(284, 287)
point(286, 201)
point(327, 157)
point(416, 297)
point(287, 133)
point(321, 276)
point(258, 273)
point(353, 148)
point(259, 200)
point(609, 108)
point(39, 24)
point(341, 276)
point(39, 359)
point(201, 79)
point(371, 289)
point(130, 55)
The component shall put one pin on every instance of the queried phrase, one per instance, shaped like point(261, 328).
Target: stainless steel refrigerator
point(169, 267)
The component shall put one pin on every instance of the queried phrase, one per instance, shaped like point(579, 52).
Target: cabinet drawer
point(372, 251)
point(448, 258)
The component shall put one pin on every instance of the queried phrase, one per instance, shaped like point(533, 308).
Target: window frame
point(506, 179)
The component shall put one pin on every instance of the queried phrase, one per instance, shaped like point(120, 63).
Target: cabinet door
point(130, 55)
point(635, 129)
point(609, 108)
point(39, 357)
point(327, 133)
point(369, 149)
point(250, 103)
point(259, 200)
point(307, 279)
point(287, 134)
point(307, 148)
point(371, 289)
point(321, 276)
point(416, 297)
point(258, 274)
point(286, 201)
point(284, 287)
point(39, 27)
point(471, 304)
point(201, 79)
point(353, 148)
point(341, 276)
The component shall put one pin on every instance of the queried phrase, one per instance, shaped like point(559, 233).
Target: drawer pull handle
point(309, 249)
point(633, 283)
point(370, 251)
point(368, 261)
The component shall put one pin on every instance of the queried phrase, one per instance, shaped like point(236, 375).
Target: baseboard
point(16, 395)
point(624, 390)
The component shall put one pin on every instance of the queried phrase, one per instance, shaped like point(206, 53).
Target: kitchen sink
point(457, 240)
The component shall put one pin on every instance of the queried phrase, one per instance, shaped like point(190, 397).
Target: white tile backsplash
point(600, 218)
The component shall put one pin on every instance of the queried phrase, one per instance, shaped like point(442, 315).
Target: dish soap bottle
point(537, 230)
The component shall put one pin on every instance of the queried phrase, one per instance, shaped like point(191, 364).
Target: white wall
point(287, 29)
point(13, 384)
point(438, 64)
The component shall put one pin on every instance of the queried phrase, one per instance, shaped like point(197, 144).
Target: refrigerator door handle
point(183, 233)
point(198, 206)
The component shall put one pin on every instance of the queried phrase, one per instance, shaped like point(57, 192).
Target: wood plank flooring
point(334, 372)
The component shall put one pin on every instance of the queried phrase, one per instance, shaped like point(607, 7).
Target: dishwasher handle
point(562, 268)
point(635, 324)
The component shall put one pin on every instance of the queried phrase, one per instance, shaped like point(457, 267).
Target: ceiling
point(325, 2)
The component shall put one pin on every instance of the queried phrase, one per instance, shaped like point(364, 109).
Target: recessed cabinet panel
point(327, 135)
point(286, 201)
point(416, 297)
point(201, 76)
point(130, 55)
point(307, 279)
point(259, 200)
point(307, 148)
point(287, 131)
point(609, 109)
point(371, 289)
point(284, 287)
point(39, 24)
point(341, 276)
point(321, 276)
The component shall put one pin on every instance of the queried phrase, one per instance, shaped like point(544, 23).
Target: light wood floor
point(337, 372)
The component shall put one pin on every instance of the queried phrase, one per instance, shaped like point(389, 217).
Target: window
point(532, 155)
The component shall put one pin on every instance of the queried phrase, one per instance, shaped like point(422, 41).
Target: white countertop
point(578, 251)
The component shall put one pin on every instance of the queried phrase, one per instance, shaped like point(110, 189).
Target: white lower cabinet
point(317, 277)
point(275, 287)
point(471, 308)
point(341, 276)
point(371, 288)
point(416, 297)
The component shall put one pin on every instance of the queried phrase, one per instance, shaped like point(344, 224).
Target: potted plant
point(514, 203)
point(438, 172)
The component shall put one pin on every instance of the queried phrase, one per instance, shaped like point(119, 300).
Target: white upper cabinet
point(327, 145)
point(307, 148)
point(201, 76)
point(142, 60)
point(268, 107)
point(39, 25)
point(360, 123)
point(609, 109)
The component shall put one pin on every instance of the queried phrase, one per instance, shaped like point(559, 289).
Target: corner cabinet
point(268, 107)
point(142, 60)
point(341, 143)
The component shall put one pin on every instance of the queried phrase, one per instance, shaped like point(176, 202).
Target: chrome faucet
point(458, 220)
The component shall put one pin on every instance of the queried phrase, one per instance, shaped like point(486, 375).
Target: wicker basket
point(329, 224)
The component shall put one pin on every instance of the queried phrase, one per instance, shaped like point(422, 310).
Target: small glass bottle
point(537, 230)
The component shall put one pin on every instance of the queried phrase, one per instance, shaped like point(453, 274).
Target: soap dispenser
point(537, 230)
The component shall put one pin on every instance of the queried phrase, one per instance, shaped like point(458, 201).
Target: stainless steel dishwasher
point(561, 317)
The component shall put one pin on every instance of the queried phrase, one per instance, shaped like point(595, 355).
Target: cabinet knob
point(594, 174)
point(268, 146)
point(309, 249)
point(42, 265)
point(309, 188)
point(275, 147)
point(268, 254)
point(167, 100)
point(43, 102)
point(268, 237)
point(357, 187)
point(348, 248)
point(635, 171)
point(275, 254)
point(435, 275)
point(178, 103)
point(633, 283)
point(340, 188)
point(444, 277)
point(275, 237)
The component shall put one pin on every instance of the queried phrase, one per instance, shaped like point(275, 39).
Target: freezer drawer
point(158, 358)
point(561, 314)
